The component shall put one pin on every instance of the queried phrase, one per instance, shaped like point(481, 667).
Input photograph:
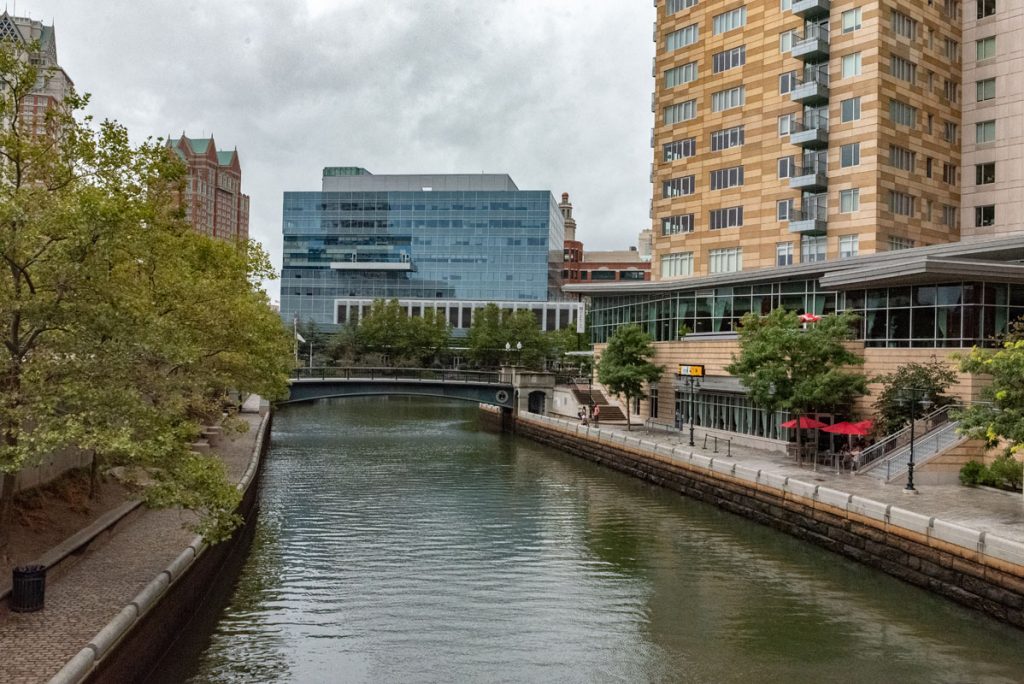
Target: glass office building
point(448, 242)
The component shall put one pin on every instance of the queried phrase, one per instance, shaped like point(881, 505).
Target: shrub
point(1007, 472)
point(972, 472)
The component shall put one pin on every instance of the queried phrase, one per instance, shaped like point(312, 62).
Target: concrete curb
point(82, 664)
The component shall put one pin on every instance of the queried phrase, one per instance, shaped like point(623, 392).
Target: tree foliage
point(625, 366)
point(387, 330)
point(788, 368)
point(918, 380)
point(999, 416)
point(121, 328)
point(493, 329)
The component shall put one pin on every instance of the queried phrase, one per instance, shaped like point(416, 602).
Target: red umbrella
point(866, 424)
point(805, 423)
point(845, 428)
point(809, 318)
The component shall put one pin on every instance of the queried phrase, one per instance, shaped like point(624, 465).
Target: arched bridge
point(310, 384)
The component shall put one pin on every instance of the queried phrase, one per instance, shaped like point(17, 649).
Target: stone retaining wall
point(978, 570)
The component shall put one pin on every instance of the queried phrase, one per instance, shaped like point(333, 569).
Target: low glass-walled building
point(445, 242)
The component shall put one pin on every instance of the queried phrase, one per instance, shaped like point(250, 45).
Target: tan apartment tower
point(53, 82)
point(215, 204)
point(795, 131)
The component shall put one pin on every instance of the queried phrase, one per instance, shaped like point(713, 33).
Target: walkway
point(82, 600)
point(982, 509)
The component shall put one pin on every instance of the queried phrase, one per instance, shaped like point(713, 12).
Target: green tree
point(485, 340)
point(382, 328)
point(930, 379)
point(625, 366)
point(426, 337)
point(522, 328)
point(121, 329)
point(788, 368)
point(999, 416)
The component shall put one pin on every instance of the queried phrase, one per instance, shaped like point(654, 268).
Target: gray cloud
point(554, 92)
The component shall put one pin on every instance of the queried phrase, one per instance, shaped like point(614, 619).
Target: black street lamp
point(694, 384)
point(910, 397)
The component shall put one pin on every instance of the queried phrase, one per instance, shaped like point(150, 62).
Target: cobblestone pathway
point(35, 646)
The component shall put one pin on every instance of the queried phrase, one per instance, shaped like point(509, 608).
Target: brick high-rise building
point(803, 130)
point(215, 203)
point(53, 83)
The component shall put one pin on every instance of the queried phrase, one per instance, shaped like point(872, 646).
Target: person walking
point(596, 414)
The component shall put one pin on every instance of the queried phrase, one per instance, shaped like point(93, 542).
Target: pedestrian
point(596, 414)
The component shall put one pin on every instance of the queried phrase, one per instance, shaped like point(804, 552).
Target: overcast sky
point(555, 93)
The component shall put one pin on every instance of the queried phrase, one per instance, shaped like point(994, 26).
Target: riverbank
point(921, 539)
point(106, 578)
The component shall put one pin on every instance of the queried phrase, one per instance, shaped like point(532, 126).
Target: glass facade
point(501, 246)
point(957, 314)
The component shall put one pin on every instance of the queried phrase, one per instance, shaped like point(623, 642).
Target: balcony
point(808, 220)
point(813, 45)
point(812, 90)
point(811, 9)
point(811, 133)
point(811, 178)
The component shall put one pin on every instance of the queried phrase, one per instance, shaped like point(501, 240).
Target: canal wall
point(979, 570)
point(130, 646)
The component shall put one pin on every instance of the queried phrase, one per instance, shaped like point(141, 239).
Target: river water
point(401, 542)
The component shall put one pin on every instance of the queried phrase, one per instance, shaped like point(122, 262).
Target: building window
point(681, 38)
point(783, 253)
point(812, 248)
point(849, 110)
point(902, 158)
point(674, 6)
point(849, 200)
point(986, 8)
point(986, 89)
point(673, 225)
point(851, 65)
point(728, 260)
point(677, 187)
point(985, 131)
point(652, 401)
point(787, 82)
point(726, 178)
point(949, 173)
point(851, 20)
point(849, 245)
point(950, 131)
point(985, 173)
point(902, 114)
point(783, 209)
point(785, 5)
point(785, 167)
point(903, 69)
point(986, 48)
point(849, 155)
point(951, 50)
point(678, 264)
point(950, 90)
point(728, 217)
point(786, 41)
point(985, 215)
point(928, 167)
point(901, 203)
point(679, 149)
point(903, 25)
point(726, 138)
point(681, 74)
point(950, 216)
point(786, 124)
point(683, 111)
point(729, 59)
point(897, 243)
point(728, 99)
point(727, 21)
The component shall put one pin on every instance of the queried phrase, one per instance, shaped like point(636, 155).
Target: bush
point(972, 473)
point(1007, 472)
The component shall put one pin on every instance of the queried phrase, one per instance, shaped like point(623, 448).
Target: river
point(399, 541)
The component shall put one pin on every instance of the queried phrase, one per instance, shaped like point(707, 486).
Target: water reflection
point(401, 543)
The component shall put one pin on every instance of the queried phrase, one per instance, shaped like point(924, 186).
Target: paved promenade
point(35, 646)
point(982, 509)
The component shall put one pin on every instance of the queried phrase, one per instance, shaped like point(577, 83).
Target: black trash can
point(28, 592)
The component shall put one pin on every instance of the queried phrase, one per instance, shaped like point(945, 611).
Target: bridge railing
point(360, 373)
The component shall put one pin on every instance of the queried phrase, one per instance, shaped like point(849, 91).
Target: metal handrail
point(813, 75)
point(812, 32)
point(383, 373)
point(924, 448)
point(810, 169)
point(901, 438)
point(809, 123)
point(812, 213)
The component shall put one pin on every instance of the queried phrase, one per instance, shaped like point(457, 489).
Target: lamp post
point(519, 350)
point(693, 383)
point(910, 397)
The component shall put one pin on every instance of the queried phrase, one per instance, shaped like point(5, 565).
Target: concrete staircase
point(591, 396)
point(926, 447)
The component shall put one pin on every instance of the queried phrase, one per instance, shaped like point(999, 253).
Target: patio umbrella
point(805, 423)
point(809, 318)
point(846, 428)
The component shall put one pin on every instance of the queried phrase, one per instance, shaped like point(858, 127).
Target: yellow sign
point(691, 371)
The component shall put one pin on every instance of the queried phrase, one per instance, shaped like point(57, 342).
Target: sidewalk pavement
point(82, 600)
point(983, 509)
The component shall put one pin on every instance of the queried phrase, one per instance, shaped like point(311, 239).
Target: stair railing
point(901, 438)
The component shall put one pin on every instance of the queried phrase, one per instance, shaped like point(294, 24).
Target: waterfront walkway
point(84, 598)
point(983, 509)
